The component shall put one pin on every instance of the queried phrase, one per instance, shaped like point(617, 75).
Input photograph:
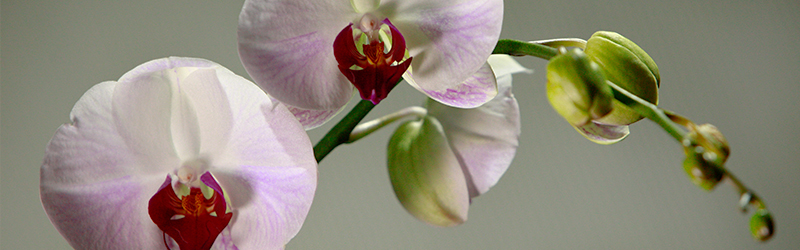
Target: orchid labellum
point(310, 54)
point(178, 153)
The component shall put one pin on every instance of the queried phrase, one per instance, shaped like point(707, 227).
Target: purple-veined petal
point(485, 139)
point(426, 176)
point(449, 40)
point(287, 47)
point(311, 119)
point(94, 186)
point(475, 91)
point(603, 133)
point(269, 173)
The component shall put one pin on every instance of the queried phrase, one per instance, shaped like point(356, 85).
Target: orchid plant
point(181, 153)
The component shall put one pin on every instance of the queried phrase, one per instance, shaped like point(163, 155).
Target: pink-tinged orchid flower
point(178, 153)
point(439, 163)
point(310, 53)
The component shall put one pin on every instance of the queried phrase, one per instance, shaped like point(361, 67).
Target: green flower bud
point(715, 141)
point(426, 176)
point(706, 152)
point(761, 225)
point(577, 89)
point(627, 65)
point(701, 172)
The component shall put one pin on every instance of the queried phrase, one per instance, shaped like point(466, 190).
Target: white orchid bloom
point(179, 152)
point(298, 51)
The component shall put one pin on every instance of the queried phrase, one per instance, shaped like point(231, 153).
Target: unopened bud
point(715, 140)
point(627, 65)
point(703, 171)
point(426, 175)
point(576, 88)
point(761, 225)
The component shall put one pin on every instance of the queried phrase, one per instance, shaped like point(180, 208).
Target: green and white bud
point(426, 175)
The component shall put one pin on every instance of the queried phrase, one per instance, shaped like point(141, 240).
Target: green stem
point(649, 110)
point(520, 48)
point(340, 133)
point(367, 128)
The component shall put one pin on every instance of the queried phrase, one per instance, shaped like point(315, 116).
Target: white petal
point(142, 113)
point(287, 47)
point(94, 186)
point(268, 170)
point(204, 90)
point(485, 138)
point(506, 65)
point(449, 40)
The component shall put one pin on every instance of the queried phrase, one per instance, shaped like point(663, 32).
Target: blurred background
point(735, 64)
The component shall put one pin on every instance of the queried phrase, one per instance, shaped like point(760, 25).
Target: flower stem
point(367, 128)
point(649, 110)
point(340, 133)
point(520, 48)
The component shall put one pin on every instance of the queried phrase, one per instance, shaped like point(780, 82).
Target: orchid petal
point(485, 139)
point(603, 133)
point(426, 175)
point(449, 40)
point(506, 65)
point(311, 119)
point(205, 92)
point(286, 46)
point(269, 172)
point(475, 91)
point(94, 186)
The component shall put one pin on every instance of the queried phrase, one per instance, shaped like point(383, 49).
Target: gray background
point(735, 64)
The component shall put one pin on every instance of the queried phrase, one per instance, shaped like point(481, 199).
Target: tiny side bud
point(761, 225)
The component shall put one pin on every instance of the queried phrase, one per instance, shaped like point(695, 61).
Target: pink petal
point(603, 133)
point(475, 91)
point(311, 119)
point(287, 47)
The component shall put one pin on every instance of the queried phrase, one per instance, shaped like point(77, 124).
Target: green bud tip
point(761, 225)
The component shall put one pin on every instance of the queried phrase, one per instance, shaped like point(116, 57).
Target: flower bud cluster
point(578, 90)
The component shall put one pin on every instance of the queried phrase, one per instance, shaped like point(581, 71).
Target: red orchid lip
point(193, 220)
point(376, 72)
